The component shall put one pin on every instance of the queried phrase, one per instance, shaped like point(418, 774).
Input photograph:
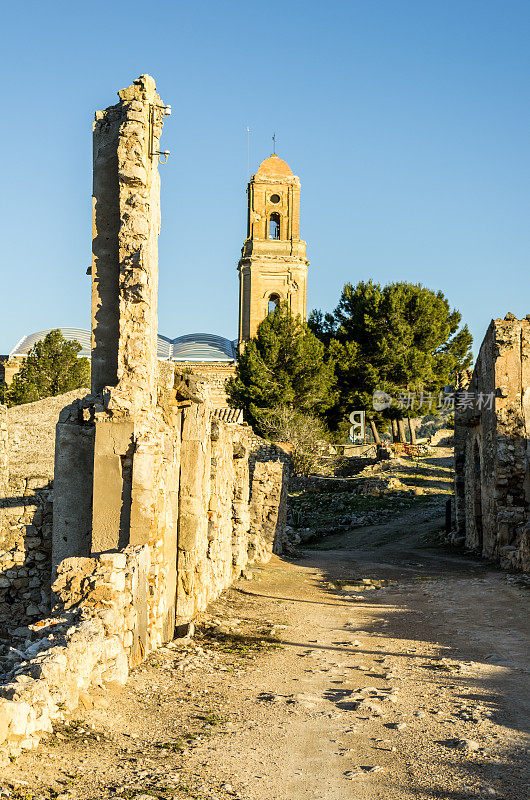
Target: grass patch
point(340, 583)
point(213, 719)
point(239, 644)
point(310, 509)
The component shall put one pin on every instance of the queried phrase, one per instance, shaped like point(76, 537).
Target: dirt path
point(417, 690)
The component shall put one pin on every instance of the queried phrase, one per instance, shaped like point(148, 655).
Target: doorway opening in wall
point(274, 226)
point(477, 498)
point(274, 302)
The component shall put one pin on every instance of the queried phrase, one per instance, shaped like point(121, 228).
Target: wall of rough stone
point(26, 472)
point(492, 450)
point(233, 506)
point(25, 545)
point(157, 504)
point(114, 608)
point(214, 375)
point(94, 636)
point(268, 510)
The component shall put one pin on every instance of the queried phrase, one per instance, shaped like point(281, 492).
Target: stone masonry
point(492, 447)
point(158, 505)
point(26, 470)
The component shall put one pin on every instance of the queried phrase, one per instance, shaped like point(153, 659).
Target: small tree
point(304, 432)
point(51, 367)
point(283, 366)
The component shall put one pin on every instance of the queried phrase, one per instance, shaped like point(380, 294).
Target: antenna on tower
point(248, 154)
point(274, 143)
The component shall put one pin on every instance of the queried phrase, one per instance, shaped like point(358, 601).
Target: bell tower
point(273, 264)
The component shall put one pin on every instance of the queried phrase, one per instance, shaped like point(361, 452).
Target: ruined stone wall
point(26, 473)
point(492, 451)
point(230, 515)
point(113, 608)
point(89, 643)
point(25, 546)
point(214, 375)
point(268, 510)
point(151, 466)
point(157, 504)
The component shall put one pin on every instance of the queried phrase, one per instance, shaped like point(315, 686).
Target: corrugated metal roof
point(191, 347)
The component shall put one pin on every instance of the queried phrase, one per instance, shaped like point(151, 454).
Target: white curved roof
point(197, 347)
point(27, 342)
point(191, 347)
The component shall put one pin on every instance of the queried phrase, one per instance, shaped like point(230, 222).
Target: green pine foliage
point(51, 367)
point(400, 337)
point(283, 366)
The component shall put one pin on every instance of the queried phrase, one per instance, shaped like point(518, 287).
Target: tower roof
point(274, 167)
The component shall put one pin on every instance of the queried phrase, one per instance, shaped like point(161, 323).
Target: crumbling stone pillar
point(104, 485)
point(126, 224)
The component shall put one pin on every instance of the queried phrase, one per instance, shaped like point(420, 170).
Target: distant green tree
point(51, 367)
point(396, 338)
point(283, 366)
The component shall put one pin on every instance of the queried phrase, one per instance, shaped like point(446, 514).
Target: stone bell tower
point(273, 265)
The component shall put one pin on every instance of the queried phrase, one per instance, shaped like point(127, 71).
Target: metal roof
point(202, 347)
point(191, 347)
point(27, 342)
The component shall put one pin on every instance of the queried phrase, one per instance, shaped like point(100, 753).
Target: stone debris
point(468, 745)
point(362, 772)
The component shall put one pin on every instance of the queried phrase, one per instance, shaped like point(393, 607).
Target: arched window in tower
point(274, 226)
point(274, 302)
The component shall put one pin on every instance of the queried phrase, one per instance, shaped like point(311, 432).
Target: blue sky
point(407, 122)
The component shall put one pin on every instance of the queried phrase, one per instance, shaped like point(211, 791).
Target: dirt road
point(305, 683)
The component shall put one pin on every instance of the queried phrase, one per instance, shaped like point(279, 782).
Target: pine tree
point(401, 337)
point(51, 367)
point(283, 366)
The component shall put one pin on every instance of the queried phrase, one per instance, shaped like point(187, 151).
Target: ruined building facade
point(492, 447)
point(273, 264)
point(157, 503)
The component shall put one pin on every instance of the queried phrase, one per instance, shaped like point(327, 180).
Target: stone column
point(126, 224)
point(101, 467)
